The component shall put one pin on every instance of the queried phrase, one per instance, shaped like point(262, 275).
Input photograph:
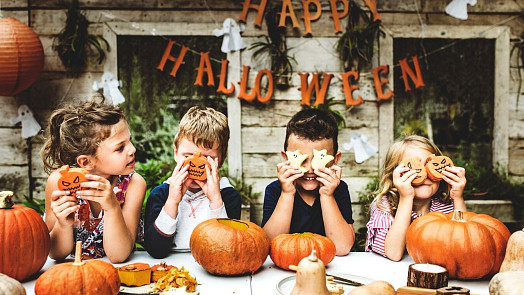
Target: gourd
point(197, 166)
point(290, 249)
point(374, 288)
point(226, 246)
point(93, 277)
point(507, 283)
point(135, 274)
point(10, 286)
point(24, 239)
point(159, 270)
point(468, 245)
point(311, 277)
point(514, 259)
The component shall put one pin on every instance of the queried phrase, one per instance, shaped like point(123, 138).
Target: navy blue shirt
point(306, 218)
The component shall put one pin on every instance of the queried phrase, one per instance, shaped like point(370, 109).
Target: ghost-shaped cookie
point(320, 159)
point(296, 159)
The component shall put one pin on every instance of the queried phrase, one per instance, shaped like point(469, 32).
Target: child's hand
point(64, 207)
point(98, 189)
point(402, 178)
point(211, 186)
point(287, 176)
point(456, 180)
point(177, 183)
point(329, 179)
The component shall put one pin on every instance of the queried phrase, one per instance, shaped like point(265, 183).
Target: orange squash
point(71, 178)
point(435, 165)
point(514, 259)
point(415, 164)
point(290, 249)
point(160, 270)
point(226, 246)
point(24, 239)
point(135, 274)
point(197, 166)
point(468, 245)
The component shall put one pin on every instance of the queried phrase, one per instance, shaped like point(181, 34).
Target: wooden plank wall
point(56, 86)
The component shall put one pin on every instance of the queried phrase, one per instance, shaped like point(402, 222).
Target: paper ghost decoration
point(30, 126)
point(459, 8)
point(232, 40)
point(363, 149)
point(110, 86)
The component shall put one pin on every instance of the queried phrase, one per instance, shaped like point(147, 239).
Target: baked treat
point(159, 270)
point(320, 159)
point(70, 179)
point(415, 164)
point(197, 166)
point(435, 165)
point(296, 159)
point(135, 274)
point(333, 288)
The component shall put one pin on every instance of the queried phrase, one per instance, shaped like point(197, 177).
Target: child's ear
point(85, 162)
point(337, 158)
point(284, 156)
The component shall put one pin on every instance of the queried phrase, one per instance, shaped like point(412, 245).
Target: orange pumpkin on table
point(197, 166)
point(415, 164)
point(435, 165)
point(290, 249)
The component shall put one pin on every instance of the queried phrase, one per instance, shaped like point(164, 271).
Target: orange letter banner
point(178, 61)
point(255, 92)
point(348, 88)
point(284, 14)
point(335, 15)
point(205, 66)
point(406, 71)
point(306, 90)
point(307, 17)
point(260, 11)
point(222, 79)
point(378, 83)
point(372, 4)
point(243, 85)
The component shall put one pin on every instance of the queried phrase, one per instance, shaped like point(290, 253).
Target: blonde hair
point(392, 160)
point(205, 127)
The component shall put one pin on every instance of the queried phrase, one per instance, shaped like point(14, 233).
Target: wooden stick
point(78, 254)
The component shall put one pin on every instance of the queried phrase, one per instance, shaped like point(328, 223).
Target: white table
point(264, 281)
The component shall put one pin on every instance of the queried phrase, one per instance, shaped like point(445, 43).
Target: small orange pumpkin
point(415, 164)
point(197, 166)
point(435, 165)
point(289, 249)
point(135, 274)
point(160, 270)
point(468, 245)
point(226, 246)
point(71, 178)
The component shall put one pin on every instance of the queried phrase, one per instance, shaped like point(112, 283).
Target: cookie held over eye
point(320, 159)
point(436, 164)
point(71, 178)
point(296, 159)
point(416, 164)
point(197, 166)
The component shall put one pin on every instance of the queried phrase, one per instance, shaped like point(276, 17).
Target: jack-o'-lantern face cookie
point(415, 164)
point(436, 164)
point(71, 178)
point(197, 166)
point(296, 159)
point(320, 159)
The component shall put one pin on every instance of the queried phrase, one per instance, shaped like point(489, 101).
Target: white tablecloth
point(265, 280)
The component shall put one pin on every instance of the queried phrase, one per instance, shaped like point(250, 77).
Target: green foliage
point(36, 204)
point(245, 189)
point(328, 106)
point(366, 197)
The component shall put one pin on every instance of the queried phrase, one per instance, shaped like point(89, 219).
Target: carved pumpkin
point(289, 249)
point(514, 259)
point(468, 245)
point(311, 277)
point(93, 277)
point(24, 242)
point(415, 164)
point(197, 166)
point(435, 165)
point(10, 286)
point(228, 246)
point(70, 179)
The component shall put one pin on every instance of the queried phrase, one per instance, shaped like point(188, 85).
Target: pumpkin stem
point(78, 254)
point(313, 256)
point(5, 199)
point(458, 216)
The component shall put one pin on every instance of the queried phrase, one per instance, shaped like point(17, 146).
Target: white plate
point(285, 286)
point(146, 289)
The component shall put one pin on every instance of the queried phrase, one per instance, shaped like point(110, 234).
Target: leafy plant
point(36, 204)
point(74, 44)
point(245, 189)
point(327, 106)
point(365, 198)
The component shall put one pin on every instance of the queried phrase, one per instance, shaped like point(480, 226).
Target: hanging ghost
point(110, 86)
point(459, 8)
point(30, 126)
point(363, 149)
point(232, 40)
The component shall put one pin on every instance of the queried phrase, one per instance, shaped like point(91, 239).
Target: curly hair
point(313, 124)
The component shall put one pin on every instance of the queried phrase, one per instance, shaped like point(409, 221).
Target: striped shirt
point(380, 222)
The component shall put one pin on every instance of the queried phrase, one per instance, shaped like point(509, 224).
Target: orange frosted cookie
point(416, 164)
point(435, 165)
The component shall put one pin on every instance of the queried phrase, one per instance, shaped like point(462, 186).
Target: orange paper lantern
point(21, 56)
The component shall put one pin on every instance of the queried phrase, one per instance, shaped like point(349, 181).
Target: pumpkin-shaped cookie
point(320, 159)
point(296, 159)
point(71, 178)
point(435, 165)
point(197, 166)
point(415, 164)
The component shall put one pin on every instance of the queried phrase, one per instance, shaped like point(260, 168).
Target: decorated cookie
point(416, 164)
point(320, 159)
point(70, 179)
point(296, 159)
point(197, 166)
point(135, 274)
point(435, 165)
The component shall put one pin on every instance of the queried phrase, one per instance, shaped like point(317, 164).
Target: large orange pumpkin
point(468, 245)
point(228, 246)
point(289, 249)
point(24, 239)
point(93, 277)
